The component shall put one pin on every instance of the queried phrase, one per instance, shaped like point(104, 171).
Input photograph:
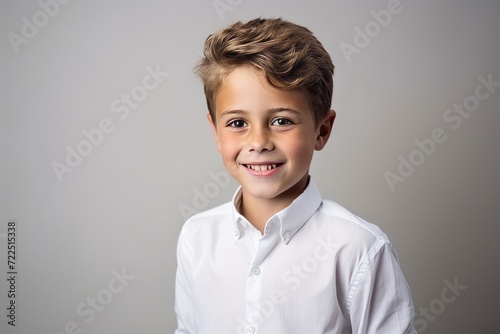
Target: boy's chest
point(267, 282)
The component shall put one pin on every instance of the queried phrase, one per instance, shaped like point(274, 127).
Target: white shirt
point(317, 269)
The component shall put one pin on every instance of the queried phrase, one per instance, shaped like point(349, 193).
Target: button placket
point(265, 244)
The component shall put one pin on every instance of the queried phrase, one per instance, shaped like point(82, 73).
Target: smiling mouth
point(261, 168)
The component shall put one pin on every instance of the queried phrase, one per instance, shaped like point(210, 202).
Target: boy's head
point(287, 55)
point(268, 85)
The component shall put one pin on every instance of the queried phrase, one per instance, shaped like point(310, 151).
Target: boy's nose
point(260, 140)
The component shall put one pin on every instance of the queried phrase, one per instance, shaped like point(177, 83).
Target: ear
point(214, 130)
point(324, 130)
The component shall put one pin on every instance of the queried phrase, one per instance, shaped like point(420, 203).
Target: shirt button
point(286, 236)
point(236, 233)
point(256, 271)
point(251, 329)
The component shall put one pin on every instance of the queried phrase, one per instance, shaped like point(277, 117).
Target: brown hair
point(289, 56)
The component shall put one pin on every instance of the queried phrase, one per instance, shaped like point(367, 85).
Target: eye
point(282, 122)
point(237, 123)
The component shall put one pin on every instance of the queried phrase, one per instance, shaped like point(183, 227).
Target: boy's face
point(266, 136)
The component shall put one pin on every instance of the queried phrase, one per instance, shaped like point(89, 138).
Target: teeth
point(261, 167)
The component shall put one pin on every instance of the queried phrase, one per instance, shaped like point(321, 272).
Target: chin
point(265, 191)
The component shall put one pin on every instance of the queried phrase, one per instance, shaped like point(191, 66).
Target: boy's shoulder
point(222, 210)
point(332, 211)
point(348, 228)
point(219, 215)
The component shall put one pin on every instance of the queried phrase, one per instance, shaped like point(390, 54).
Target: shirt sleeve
point(184, 285)
point(379, 298)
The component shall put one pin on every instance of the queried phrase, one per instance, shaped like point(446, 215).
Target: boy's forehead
point(246, 88)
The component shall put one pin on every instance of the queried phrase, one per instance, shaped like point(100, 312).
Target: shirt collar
point(290, 219)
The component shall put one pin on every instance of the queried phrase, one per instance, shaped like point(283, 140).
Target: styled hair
point(287, 54)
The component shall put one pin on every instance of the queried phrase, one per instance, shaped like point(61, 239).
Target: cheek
point(228, 148)
point(300, 148)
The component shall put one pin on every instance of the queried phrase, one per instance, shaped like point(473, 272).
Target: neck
point(258, 210)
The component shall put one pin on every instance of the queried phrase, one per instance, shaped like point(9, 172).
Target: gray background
point(122, 207)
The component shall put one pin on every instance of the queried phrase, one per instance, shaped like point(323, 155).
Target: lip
point(266, 172)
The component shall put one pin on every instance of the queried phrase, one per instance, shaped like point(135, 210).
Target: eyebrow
point(271, 111)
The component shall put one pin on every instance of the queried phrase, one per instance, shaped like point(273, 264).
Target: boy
point(278, 258)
